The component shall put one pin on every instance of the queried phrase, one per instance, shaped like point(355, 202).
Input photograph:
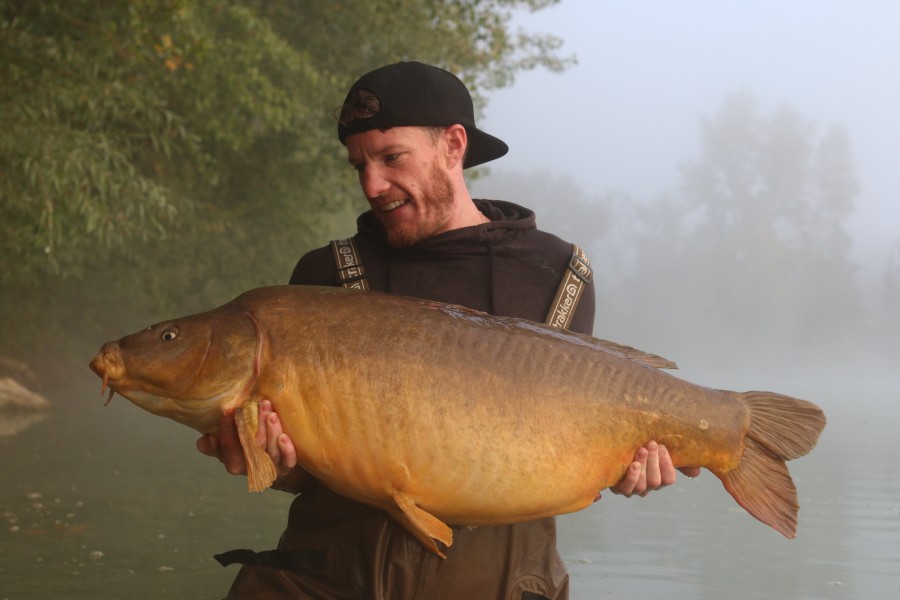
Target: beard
point(434, 212)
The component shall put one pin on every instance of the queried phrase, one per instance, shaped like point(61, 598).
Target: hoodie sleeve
point(315, 268)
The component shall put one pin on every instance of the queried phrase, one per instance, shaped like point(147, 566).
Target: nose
point(373, 182)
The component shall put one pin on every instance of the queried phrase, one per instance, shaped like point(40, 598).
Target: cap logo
point(360, 104)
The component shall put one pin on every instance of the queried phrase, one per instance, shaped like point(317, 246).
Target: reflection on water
point(20, 408)
point(114, 503)
point(17, 421)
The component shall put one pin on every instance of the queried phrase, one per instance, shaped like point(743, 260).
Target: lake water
point(111, 502)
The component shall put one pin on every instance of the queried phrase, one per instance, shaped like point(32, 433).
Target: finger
point(273, 432)
point(690, 472)
point(628, 483)
point(652, 475)
point(288, 455)
point(228, 435)
point(666, 468)
point(635, 479)
point(641, 457)
point(209, 445)
point(232, 453)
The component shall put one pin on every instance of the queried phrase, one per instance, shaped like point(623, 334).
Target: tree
point(887, 322)
point(175, 152)
point(752, 249)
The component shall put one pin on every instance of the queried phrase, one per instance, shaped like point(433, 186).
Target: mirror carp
point(443, 415)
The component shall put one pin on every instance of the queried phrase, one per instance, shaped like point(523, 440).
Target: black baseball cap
point(415, 94)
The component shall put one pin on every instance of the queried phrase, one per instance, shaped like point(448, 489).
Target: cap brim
point(483, 148)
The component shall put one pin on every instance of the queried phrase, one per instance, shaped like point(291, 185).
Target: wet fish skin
point(439, 414)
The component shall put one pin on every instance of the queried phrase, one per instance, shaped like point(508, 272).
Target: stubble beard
point(436, 209)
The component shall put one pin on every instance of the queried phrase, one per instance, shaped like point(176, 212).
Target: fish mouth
point(107, 364)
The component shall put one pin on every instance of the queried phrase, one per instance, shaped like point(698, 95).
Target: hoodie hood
point(505, 266)
point(468, 256)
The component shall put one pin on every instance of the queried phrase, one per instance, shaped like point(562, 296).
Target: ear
point(456, 141)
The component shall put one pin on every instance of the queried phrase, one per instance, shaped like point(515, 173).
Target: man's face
point(403, 176)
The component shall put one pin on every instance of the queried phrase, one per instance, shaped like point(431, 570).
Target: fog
point(592, 146)
point(109, 502)
point(628, 112)
point(606, 153)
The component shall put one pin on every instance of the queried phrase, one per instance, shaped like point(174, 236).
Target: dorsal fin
point(651, 360)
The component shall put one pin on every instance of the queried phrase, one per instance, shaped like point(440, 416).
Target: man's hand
point(652, 469)
point(226, 446)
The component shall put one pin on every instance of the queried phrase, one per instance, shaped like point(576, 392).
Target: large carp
point(439, 414)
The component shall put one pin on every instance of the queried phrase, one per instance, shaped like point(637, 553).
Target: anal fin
point(260, 468)
point(423, 525)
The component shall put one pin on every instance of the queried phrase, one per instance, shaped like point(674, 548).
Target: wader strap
point(292, 560)
point(350, 272)
point(577, 275)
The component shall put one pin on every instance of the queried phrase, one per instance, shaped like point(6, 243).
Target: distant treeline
point(747, 264)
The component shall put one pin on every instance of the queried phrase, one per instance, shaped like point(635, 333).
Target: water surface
point(115, 503)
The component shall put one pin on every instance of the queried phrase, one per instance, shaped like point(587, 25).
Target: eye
point(169, 334)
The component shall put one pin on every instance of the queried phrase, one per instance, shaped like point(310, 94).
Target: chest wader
point(352, 274)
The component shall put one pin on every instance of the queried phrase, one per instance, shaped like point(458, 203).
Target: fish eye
point(169, 334)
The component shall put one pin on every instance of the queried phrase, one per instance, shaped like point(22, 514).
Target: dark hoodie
point(505, 267)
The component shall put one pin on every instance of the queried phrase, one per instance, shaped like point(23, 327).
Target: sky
point(628, 113)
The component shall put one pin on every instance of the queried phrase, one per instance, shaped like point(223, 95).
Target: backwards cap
point(415, 94)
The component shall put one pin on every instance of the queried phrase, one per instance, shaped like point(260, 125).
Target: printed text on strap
point(350, 271)
point(577, 275)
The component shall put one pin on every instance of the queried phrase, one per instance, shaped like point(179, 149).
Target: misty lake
point(111, 502)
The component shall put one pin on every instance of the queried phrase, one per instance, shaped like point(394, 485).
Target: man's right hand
point(226, 446)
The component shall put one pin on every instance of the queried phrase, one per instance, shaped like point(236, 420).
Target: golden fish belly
point(485, 425)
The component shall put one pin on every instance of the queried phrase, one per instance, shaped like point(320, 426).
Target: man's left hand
point(652, 469)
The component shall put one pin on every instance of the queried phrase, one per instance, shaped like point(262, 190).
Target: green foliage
point(79, 140)
point(176, 152)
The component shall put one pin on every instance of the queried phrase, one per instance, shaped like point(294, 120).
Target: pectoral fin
point(424, 526)
point(260, 468)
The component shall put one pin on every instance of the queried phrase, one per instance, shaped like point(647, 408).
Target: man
point(409, 130)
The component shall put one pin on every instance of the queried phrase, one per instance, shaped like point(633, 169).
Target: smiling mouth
point(393, 205)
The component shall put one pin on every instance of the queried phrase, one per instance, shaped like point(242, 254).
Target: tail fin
point(781, 428)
